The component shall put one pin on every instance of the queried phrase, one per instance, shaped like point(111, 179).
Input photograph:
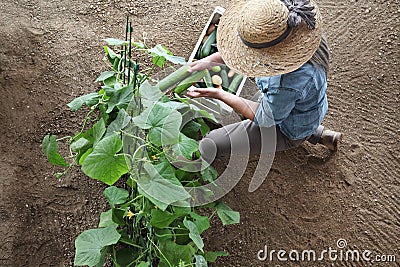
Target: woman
point(279, 41)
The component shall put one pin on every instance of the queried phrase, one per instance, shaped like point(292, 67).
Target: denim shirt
point(294, 101)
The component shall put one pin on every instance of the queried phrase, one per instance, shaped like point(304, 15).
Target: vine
point(133, 134)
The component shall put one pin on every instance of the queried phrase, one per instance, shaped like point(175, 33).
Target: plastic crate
point(218, 108)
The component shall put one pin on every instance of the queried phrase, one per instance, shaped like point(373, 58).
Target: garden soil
point(51, 52)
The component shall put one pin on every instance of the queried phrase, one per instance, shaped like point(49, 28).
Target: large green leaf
point(120, 122)
point(50, 149)
point(161, 51)
point(103, 256)
point(181, 211)
point(164, 124)
point(111, 55)
point(103, 163)
point(161, 219)
point(81, 143)
point(106, 219)
point(99, 129)
point(173, 254)
point(152, 93)
point(160, 183)
point(159, 204)
point(173, 105)
point(194, 234)
point(226, 214)
point(185, 147)
point(116, 195)
point(105, 75)
point(202, 222)
point(120, 98)
point(191, 129)
point(81, 157)
point(89, 244)
point(89, 99)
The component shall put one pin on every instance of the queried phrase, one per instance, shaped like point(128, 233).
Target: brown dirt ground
point(50, 52)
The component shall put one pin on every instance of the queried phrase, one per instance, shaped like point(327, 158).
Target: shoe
point(331, 139)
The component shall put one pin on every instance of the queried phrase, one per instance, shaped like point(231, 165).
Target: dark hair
point(321, 56)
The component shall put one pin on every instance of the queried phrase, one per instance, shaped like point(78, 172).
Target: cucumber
point(189, 81)
point(198, 52)
point(225, 80)
point(235, 83)
point(207, 80)
point(216, 68)
point(211, 39)
point(175, 77)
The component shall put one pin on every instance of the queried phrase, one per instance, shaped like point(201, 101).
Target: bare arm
point(243, 106)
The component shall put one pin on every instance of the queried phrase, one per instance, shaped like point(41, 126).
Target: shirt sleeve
point(275, 106)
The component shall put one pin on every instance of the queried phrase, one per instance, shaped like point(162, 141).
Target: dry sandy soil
point(50, 53)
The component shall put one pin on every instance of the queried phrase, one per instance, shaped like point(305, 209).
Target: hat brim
point(286, 56)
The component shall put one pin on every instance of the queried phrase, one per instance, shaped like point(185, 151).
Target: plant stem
point(62, 138)
point(86, 120)
point(159, 250)
point(133, 136)
point(131, 244)
point(131, 201)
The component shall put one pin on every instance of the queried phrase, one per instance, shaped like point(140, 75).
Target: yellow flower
point(154, 157)
point(130, 214)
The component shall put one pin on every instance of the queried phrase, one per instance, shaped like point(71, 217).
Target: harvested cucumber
point(189, 81)
point(174, 78)
point(216, 68)
point(235, 83)
point(225, 80)
point(207, 80)
point(197, 56)
point(206, 49)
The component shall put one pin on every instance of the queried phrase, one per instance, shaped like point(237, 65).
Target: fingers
point(193, 68)
point(201, 65)
point(198, 90)
point(197, 66)
point(202, 92)
point(194, 93)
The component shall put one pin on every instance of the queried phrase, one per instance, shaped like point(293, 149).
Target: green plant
point(132, 135)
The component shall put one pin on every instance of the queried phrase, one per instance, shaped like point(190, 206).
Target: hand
point(201, 64)
point(206, 63)
point(206, 92)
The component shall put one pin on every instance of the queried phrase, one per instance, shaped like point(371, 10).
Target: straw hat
point(289, 38)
